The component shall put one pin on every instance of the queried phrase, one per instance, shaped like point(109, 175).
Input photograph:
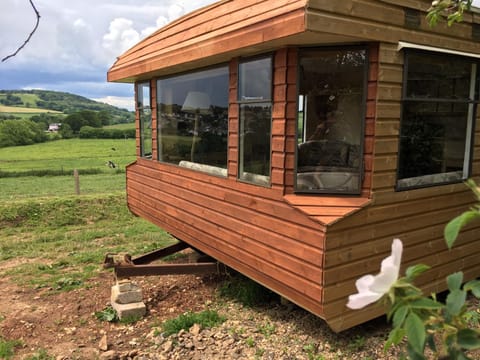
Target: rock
point(168, 346)
point(103, 344)
point(195, 329)
point(109, 355)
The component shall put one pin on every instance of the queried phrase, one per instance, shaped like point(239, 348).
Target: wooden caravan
point(292, 140)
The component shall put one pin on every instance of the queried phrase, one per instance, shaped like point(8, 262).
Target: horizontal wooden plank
point(322, 200)
point(370, 29)
point(312, 304)
point(204, 238)
point(433, 280)
point(361, 10)
point(243, 208)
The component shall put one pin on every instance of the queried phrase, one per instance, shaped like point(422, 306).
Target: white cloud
point(118, 101)
point(76, 43)
point(121, 36)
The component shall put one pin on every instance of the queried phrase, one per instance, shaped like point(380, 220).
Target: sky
point(77, 42)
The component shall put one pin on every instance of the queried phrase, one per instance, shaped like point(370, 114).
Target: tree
point(451, 10)
point(20, 132)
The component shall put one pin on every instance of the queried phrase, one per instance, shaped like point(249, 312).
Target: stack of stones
point(127, 299)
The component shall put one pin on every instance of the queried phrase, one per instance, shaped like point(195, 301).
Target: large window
point(193, 120)
point(254, 97)
point(439, 98)
point(145, 116)
point(331, 112)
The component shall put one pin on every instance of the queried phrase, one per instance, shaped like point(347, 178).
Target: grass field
point(68, 155)
point(121, 126)
point(25, 110)
point(66, 236)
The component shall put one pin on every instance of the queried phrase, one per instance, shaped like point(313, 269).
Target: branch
point(29, 36)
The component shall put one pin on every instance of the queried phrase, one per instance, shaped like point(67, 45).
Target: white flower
point(371, 288)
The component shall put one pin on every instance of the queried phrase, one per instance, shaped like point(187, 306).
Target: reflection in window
point(193, 120)
point(254, 97)
point(145, 116)
point(436, 126)
point(331, 108)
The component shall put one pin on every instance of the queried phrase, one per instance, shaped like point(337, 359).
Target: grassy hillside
point(17, 103)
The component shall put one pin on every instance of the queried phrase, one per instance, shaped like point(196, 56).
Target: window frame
point(361, 166)
point(199, 167)
point(472, 104)
point(140, 107)
point(255, 179)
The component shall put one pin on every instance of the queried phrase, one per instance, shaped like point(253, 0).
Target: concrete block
point(126, 285)
point(133, 310)
point(126, 297)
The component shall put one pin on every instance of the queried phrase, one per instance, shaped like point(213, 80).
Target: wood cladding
point(308, 248)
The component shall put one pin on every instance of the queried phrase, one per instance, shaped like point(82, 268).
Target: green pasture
point(59, 243)
point(56, 238)
point(68, 155)
point(28, 187)
point(25, 110)
point(121, 126)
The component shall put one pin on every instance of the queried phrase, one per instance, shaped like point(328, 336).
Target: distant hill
point(57, 101)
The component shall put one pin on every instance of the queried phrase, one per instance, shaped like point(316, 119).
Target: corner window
point(255, 102)
point(440, 96)
point(330, 127)
point(193, 120)
point(145, 116)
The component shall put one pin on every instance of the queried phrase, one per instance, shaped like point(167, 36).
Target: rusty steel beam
point(160, 253)
point(125, 270)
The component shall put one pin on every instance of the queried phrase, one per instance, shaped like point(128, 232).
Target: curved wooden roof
point(231, 28)
point(205, 36)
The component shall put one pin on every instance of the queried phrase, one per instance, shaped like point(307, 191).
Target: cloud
point(121, 102)
point(76, 44)
point(121, 36)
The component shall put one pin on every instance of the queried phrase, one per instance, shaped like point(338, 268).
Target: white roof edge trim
point(402, 44)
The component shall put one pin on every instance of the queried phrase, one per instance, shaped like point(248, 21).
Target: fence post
point(77, 181)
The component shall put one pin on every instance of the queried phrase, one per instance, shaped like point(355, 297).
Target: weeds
point(206, 319)
point(7, 348)
point(108, 314)
point(246, 291)
point(41, 355)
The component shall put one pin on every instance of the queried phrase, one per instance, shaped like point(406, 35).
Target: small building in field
point(54, 127)
point(292, 140)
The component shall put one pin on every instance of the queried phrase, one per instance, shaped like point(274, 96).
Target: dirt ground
point(65, 326)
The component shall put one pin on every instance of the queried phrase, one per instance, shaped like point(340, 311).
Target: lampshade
point(196, 102)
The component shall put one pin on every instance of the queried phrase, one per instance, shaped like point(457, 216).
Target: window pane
point(330, 120)
point(438, 76)
point(255, 80)
point(255, 120)
point(255, 88)
point(145, 115)
point(193, 120)
point(432, 143)
point(435, 136)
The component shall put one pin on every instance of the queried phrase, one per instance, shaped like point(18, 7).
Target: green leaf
point(416, 270)
point(415, 331)
point(394, 338)
point(468, 339)
point(455, 301)
point(425, 303)
point(413, 354)
point(474, 287)
point(454, 226)
point(399, 316)
point(454, 281)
